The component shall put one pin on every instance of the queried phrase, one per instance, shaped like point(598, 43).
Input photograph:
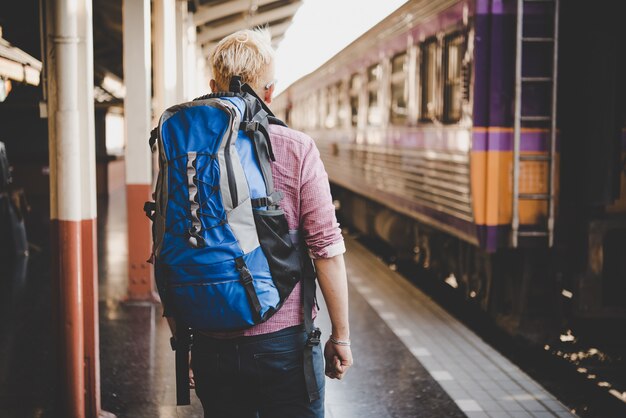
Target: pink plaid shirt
point(300, 175)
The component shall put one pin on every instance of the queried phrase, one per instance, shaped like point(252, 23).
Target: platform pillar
point(182, 81)
point(165, 56)
point(201, 77)
point(138, 160)
point(193, 89)
point(66, 199)
point(89, 236)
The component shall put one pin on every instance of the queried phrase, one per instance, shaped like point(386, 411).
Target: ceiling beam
point(208, 13)
point(276, 31)
point(18, 71)
point(217, 32)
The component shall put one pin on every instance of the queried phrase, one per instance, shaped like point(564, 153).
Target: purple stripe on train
point(444, 20)
point(534, 141)
point(494, 70)
point(496, 7)
point(493, 237)
point(494, 62)
point(500, 7)
point(453, 139)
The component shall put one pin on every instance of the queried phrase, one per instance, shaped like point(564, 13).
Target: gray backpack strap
point(257, 129)
point(313, 333)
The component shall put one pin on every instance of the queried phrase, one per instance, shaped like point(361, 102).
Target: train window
point(332, 98)
point(296, 118)
point(313, 113)
point(374, 74)
point(399, 93)
point(342, 106)
point(323, 107)
point(355, 87)
point(453, 87)
point(428, 80)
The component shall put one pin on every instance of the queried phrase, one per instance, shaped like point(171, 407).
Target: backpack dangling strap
point(247, 281)
point(313, 333)
point(149, 208)
point(182, 346)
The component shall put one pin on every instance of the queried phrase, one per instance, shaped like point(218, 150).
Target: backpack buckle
point(313, 338)
point(244, 273)
point(246, 277)
point(250, 126)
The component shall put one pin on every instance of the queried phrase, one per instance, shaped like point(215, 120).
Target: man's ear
point(213, 86)
point(267, 98)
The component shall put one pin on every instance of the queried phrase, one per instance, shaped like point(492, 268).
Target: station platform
point(412, 359)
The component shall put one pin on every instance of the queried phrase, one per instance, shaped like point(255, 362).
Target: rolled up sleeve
point(317, 212)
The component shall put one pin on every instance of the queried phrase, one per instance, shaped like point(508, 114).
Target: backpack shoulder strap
point(245, 88)
point(256, 125)
point(255, 122)
point(273, 120)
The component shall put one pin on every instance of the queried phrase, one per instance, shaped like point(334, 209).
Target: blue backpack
point(223, 253)
point(224, 257)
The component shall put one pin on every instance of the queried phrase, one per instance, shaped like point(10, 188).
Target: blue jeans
point(256, 377)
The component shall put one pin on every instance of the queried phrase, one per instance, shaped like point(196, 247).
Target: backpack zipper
point(232, 184)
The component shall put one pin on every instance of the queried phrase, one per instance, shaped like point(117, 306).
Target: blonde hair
point(247, 53)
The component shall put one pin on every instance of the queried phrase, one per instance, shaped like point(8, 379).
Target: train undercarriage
point(529, 292)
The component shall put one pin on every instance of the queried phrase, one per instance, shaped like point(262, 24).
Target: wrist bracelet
point(339, 342)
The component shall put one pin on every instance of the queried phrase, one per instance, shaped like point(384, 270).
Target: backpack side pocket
point(281, 253)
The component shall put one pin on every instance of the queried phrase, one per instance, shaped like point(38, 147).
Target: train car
point(474, 137)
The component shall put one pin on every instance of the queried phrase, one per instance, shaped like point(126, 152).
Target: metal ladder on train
point(519, 118)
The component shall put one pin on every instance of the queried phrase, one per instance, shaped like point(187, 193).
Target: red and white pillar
point(88, 225)
point(66, 198)
point(138, 160)
point(73, 203)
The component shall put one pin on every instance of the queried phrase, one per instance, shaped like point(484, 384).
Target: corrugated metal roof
point(214, 19)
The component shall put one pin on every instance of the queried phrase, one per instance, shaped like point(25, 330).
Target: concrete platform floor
point(412, 359)
point(138, 366)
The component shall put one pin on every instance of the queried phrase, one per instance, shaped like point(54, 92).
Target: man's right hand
point(338, 360)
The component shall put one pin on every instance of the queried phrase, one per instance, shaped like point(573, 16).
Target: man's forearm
point(331, 274)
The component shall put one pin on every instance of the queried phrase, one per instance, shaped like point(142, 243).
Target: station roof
point(213, 19)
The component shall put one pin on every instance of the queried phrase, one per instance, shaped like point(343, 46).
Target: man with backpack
point(242, 206)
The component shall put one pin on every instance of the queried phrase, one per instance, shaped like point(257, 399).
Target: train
point(485, 140)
